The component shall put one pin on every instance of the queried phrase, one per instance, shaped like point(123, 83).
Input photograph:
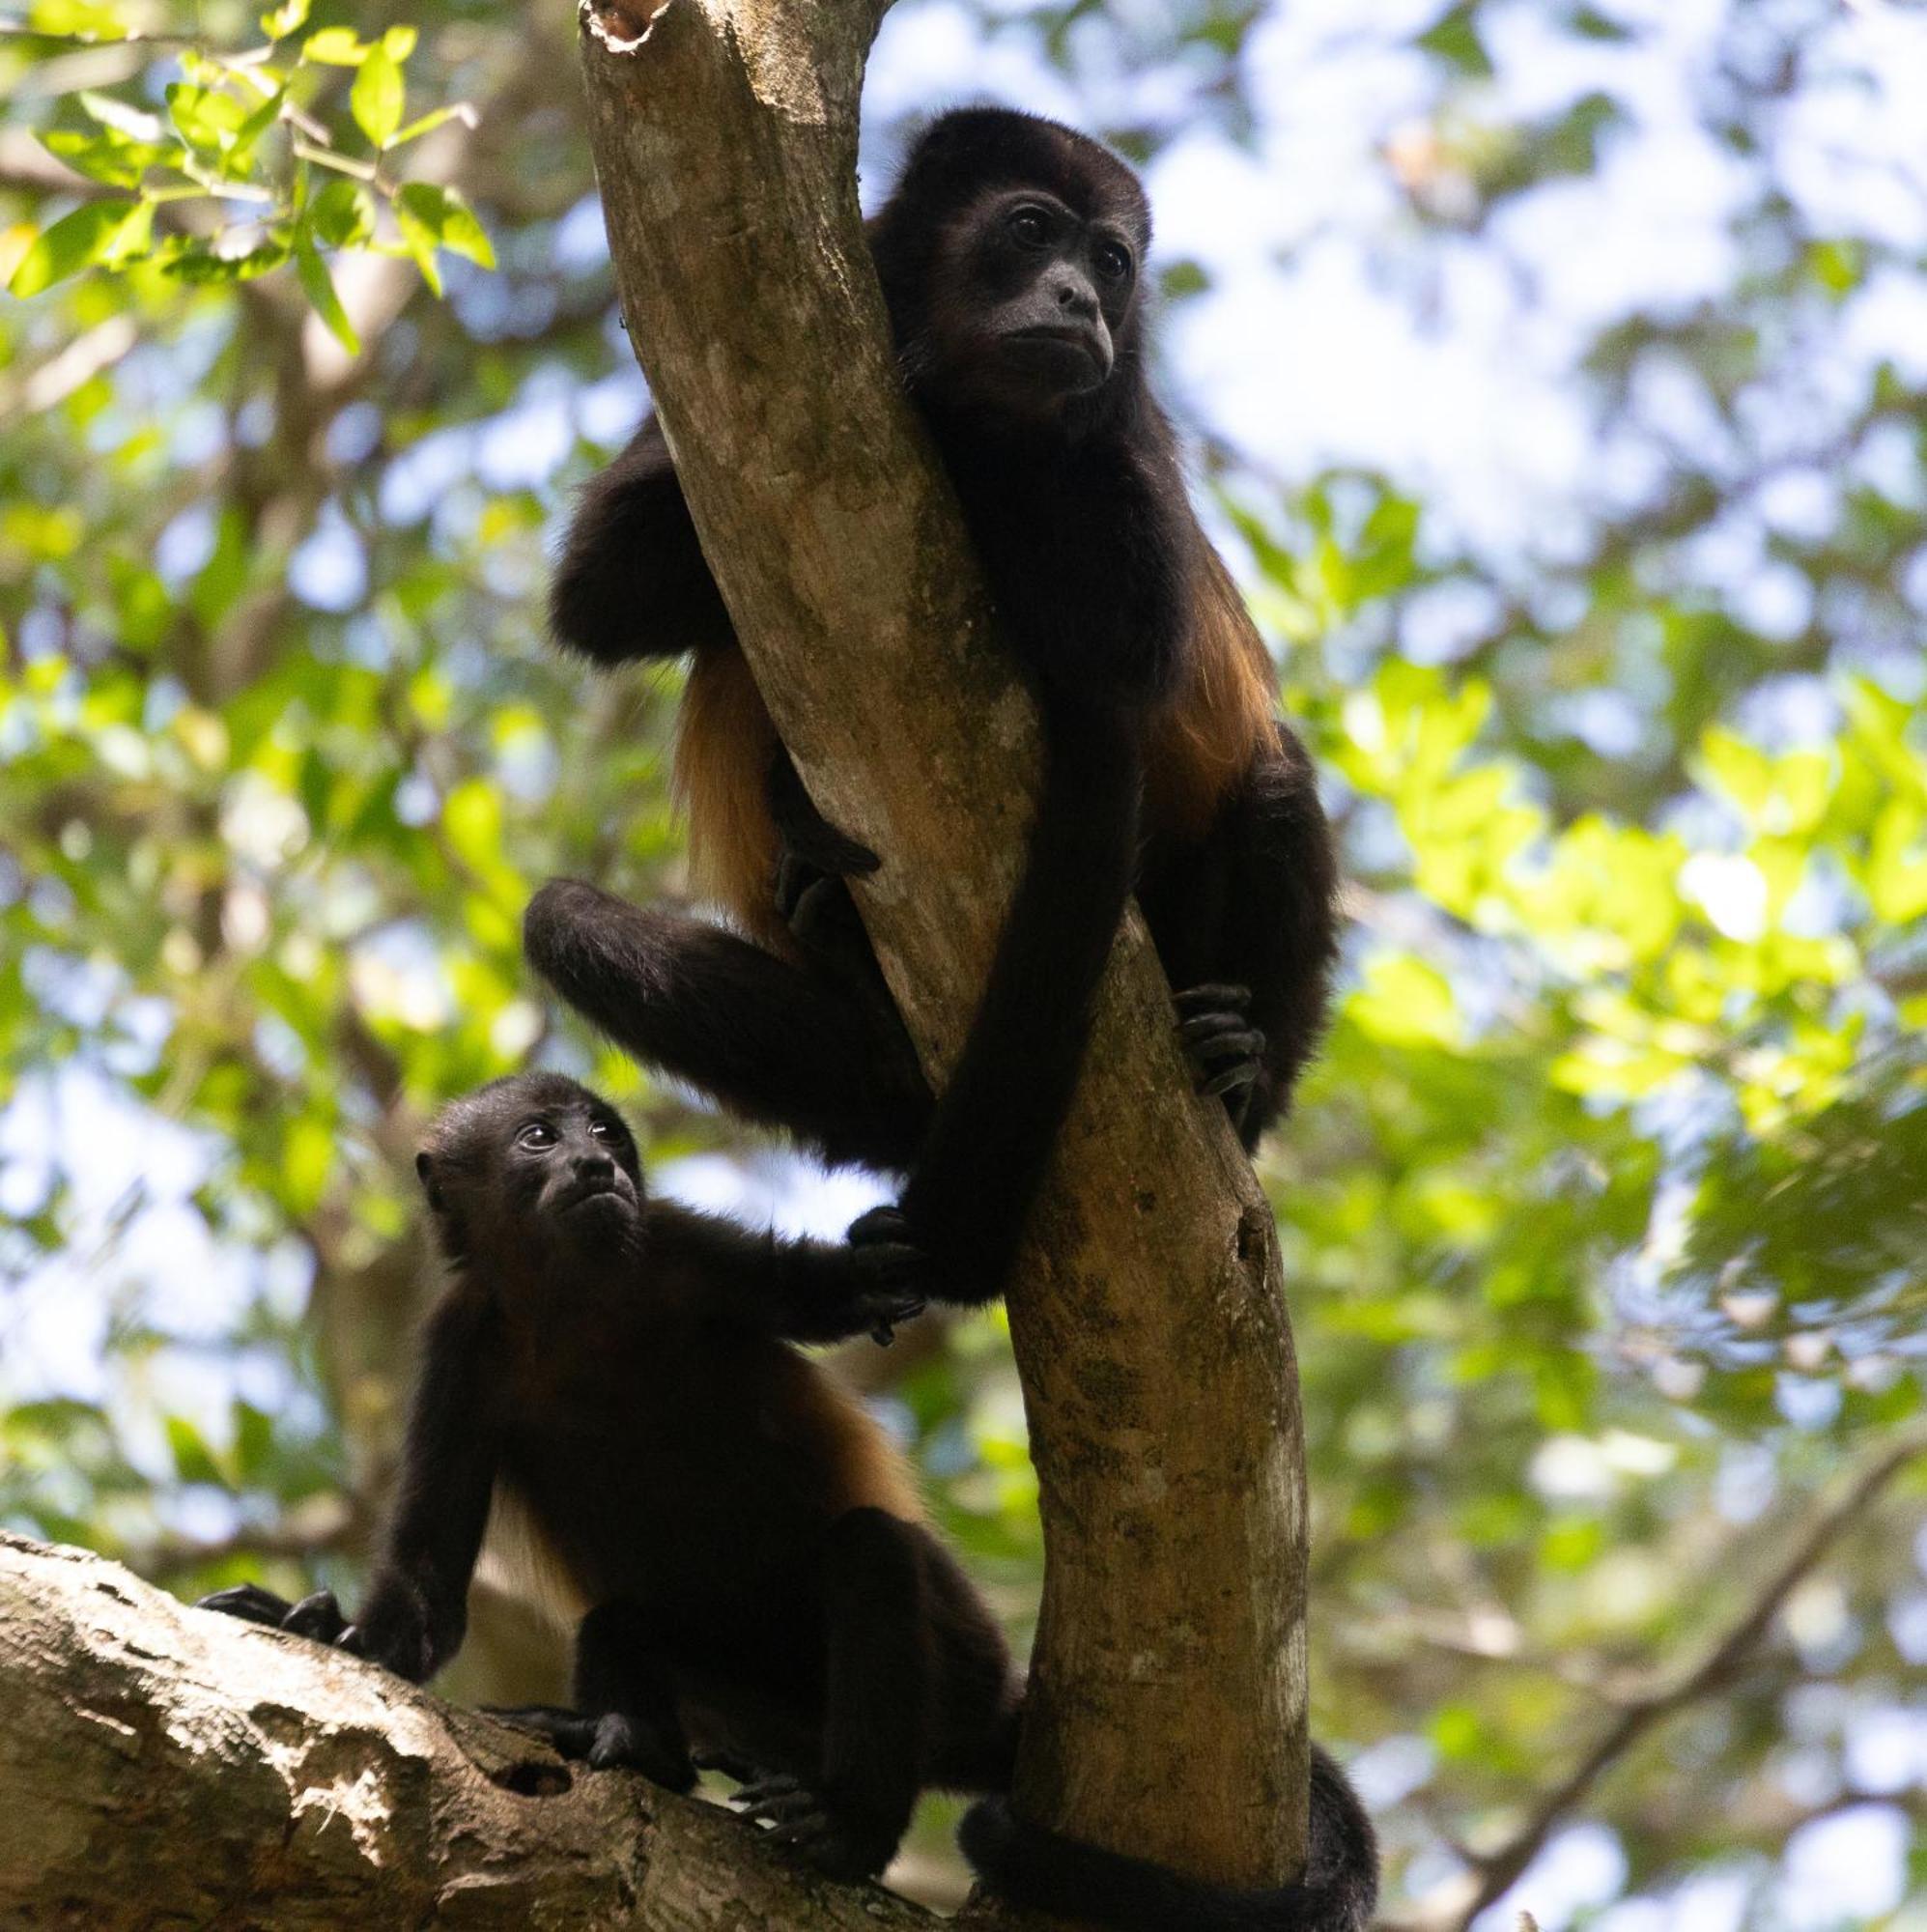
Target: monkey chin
point(605, 1220)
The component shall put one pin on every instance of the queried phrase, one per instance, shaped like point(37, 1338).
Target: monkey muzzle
point(603, 1189)
point(1066, 357)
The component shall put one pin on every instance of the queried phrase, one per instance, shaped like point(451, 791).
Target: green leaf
point(193, 1461)
point(1592, 25)
point(437, 218)
point(104, 157)
point(376, 98)
point(253, 1440)
point(1897, 864)
point(290, 17)
point(75, 242)
point(335, 46)
point(342, 214)
point(226, 262)
point(209, 120)
point(1454, 38)
point(322, 297)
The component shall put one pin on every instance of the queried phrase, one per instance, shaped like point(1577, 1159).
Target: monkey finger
point(783, 1811)
point(774, 1785)
point(1209, 1026)
point(883, 1225)
point(1242, 1073)
point(832, 851)
point(1213, 996)
point(317, 1616)
point(247, 1601)
point(801, 1833)
point(1244, 1044)
point(793, 880)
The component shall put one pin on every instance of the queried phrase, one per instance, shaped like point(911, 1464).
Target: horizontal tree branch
point(166, 1766)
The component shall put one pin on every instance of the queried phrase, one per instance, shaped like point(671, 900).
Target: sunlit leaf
point(90, 234)
point(376, 96)
point(321, 293)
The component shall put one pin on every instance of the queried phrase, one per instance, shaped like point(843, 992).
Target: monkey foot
point(611, 1742)
point(318, 1616)
point(1223, 1050)
point(796, 1818)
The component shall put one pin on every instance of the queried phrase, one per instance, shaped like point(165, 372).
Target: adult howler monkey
point(761, 1588)
point(1011, 257)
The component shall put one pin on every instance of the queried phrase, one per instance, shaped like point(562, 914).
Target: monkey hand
point(615, 1741)
point(817, 847)
point(1223, 1049)
point(317, 1617)
point(900, 1275)
point(250, 1602)
point(398, 1630)
point(809, 843)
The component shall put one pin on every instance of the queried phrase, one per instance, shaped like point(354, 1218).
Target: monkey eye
point(1032, 226)
point(1114, 263)
point(602, 1130)
point(536, 1135)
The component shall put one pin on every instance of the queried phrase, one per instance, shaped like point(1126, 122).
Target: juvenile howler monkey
point(1011, 257)
point(761, 1590)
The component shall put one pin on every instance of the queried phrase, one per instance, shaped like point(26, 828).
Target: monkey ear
point(424, 1167)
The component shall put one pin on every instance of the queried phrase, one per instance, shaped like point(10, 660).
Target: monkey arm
point(985, 1156)
point(820, 1053)
point(793, 1289)
point(1280, 933)
point(1092, 562)
point(416, 1613)
point(632, 581)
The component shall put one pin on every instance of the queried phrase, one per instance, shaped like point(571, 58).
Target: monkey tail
point(1046, 1872)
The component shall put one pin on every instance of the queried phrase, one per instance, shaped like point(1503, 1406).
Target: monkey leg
point(976, 1698)
point(773, 1041)
point(625, 1710)
point(624, 1685)
point(850, 1820)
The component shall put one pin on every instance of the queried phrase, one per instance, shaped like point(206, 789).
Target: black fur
point(1046, 1872)
point(1067, 474)
point(624, 1368)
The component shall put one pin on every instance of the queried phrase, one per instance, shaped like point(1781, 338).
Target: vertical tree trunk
point(1149, 1325)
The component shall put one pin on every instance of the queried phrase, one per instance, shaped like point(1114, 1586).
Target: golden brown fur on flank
point(871, 1473)
point(1199, 745)
point(725, 744)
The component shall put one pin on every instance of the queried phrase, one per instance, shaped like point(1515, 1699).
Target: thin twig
point(1497, 1870)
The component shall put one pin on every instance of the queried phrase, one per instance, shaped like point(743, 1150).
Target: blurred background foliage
point(1557, 375)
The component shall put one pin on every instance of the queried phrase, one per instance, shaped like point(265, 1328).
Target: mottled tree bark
point(1149, 1323)
point(161, 1766)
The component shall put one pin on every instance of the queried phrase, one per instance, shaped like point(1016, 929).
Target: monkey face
point(1033, 300)
point(536, 1161)
point(568, 1165)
